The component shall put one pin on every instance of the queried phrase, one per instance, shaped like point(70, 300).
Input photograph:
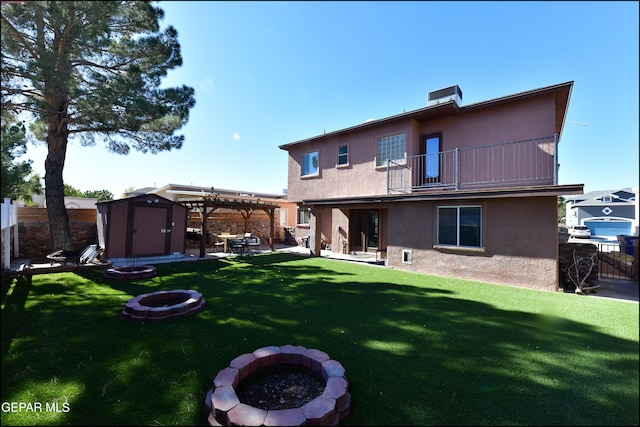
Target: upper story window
point(343, 155)
point(390, 147)
point(460, 226)
point(310, 164)
point(607, 199)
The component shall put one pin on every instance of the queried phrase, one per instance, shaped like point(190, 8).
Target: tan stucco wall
point(359, 177)
point(519, 120)
point(520, 240)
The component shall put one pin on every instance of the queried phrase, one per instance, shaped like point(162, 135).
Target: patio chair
point(219, 243)
point(253, 243)
point(88, 254)
point(237, 246)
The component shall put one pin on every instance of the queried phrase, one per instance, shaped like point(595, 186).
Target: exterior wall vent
point(452, 93)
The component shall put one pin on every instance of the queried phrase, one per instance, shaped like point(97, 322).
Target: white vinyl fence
point(9, 216)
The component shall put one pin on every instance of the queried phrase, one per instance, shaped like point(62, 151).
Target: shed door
point(149, 234)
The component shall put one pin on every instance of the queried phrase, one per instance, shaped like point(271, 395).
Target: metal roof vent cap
point(451, 93)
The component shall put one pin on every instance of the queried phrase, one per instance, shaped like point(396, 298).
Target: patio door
point(431, 168)
point(364, 230)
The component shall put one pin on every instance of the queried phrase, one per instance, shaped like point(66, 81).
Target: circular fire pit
point(131, 272)
point(163, 305)
point(224, 408)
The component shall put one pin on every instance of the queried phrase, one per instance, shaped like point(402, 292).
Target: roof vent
point(452, 93)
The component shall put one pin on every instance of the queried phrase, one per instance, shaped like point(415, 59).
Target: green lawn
point(417, 349)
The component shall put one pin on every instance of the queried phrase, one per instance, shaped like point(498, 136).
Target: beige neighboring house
point(466, 191)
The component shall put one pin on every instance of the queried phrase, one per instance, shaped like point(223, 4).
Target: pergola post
point(205, 219)
point(271, 213)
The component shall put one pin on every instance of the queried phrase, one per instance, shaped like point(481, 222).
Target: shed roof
point(143, 197)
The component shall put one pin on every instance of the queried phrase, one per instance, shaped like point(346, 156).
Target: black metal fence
point(616, 261)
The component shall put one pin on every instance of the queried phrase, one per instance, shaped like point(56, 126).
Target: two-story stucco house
point(467, 191)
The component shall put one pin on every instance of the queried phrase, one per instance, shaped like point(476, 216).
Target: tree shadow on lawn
point(414, 354)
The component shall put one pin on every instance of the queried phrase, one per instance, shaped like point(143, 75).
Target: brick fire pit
point(131, 272)
point(223, 407)
point(163, 305)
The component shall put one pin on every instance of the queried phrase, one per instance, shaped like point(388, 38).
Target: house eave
point(590, 204)
point(437, 195)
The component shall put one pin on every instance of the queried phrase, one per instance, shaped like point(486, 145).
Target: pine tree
point(87, 71)
point(18, 180)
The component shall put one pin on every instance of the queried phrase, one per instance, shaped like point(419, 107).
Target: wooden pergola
point(207, 205)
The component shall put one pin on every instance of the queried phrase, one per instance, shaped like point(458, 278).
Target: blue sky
point(271, 73)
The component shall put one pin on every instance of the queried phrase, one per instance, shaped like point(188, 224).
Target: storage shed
point(146, 225)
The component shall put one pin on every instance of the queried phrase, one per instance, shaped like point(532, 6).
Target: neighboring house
point(40, 201)
point(451, 190)
point(285, 214)
point(179, 191)
point(606, 213)
point(138, 192)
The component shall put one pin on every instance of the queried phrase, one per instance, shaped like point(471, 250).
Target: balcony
point(519, 163)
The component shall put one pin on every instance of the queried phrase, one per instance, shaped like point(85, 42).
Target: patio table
point(226, 238)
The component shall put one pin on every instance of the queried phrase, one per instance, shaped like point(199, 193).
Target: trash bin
point(626, 243)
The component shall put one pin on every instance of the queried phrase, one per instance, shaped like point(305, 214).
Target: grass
point(417, 349)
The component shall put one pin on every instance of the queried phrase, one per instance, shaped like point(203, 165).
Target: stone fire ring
point(223, 407)
point(163, 305)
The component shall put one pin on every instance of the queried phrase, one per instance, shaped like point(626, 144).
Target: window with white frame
point(304, 216)
point(390, 147)
point(343, 155)
point(460, 226)
point(310, 164)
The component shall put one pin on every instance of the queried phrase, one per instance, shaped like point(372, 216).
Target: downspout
point(388, 189)
point(555, 159)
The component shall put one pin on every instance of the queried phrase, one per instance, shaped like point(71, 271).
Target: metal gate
point(614, 264)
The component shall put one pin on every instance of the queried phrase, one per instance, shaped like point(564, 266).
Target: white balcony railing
point(530, 162)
